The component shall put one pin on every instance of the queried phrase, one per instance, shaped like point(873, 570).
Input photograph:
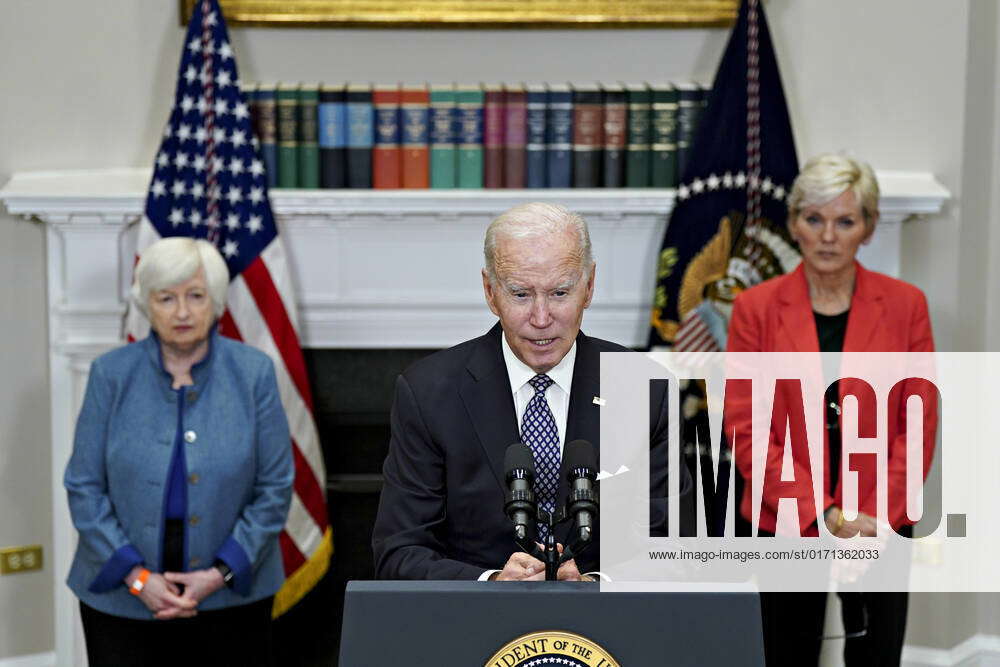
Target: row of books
point(486, 136)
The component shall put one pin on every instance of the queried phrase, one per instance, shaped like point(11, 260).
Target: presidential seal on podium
point(551, 647)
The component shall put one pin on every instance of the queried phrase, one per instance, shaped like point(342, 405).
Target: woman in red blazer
point(831, 303)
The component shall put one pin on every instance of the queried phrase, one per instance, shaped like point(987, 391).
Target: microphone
point(519, 467)
point(580, 466)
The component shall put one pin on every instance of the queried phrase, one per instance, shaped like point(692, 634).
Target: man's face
point(539, 296)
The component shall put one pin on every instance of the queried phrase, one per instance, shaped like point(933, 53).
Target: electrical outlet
point(14, 560)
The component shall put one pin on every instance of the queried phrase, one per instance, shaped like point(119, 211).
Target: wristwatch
point(226, 572)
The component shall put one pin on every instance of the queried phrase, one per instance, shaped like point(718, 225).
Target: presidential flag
point(727, 231)
point(209, 182)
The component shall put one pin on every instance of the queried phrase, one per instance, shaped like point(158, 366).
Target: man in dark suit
point(533, 378)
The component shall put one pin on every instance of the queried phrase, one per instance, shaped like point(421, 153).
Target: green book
point(288, 135)
point(689, 106)
point(639, 100)
point(444, 154)
point(308, 136)
point(469, 103)
point(663, 157)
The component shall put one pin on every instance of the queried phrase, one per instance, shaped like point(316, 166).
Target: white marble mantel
point(382, 268)
point(373, 269)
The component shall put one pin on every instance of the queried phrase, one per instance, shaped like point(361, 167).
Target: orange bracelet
point(139, 582)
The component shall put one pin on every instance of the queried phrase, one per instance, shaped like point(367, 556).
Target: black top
point(830, 329)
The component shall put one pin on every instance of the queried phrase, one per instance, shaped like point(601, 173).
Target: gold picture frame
point(475, 13)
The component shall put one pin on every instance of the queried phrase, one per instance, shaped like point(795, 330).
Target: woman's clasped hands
point(172, 595)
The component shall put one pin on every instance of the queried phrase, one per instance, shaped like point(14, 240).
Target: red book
point(415, 128)
point(588, 136)
point(493, 117)
point(515, 135)
point(386, 165)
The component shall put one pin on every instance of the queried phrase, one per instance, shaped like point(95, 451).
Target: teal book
point(469, 102)
point(444, 148)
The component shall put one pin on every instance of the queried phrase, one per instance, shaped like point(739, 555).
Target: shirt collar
point(519, 373)
point(199, 372)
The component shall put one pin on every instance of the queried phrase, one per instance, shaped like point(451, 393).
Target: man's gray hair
point(532, 220)
point(174, 260)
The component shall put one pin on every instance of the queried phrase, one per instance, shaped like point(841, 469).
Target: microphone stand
point(549, 552)
point(552, 561)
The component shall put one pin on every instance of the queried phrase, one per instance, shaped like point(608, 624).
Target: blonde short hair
point(829, 175)
point(175, 259)
point(536, 219)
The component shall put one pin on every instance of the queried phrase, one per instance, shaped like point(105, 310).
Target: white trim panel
point(976, 651)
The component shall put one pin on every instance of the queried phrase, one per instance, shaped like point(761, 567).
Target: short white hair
point(829, 175)
point(532, 220)
point(175, 259)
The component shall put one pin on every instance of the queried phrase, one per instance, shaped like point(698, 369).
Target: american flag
point(209, 182)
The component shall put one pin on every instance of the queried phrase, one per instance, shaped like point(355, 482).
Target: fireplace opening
point(352, 394)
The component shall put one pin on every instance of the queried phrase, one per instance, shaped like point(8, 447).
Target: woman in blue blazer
point(180, 479)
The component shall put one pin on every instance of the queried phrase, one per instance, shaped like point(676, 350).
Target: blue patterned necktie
point(539, 433)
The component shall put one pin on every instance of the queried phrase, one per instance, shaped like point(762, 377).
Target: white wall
point(83, 85)
point(901, 83)
point(976, 277)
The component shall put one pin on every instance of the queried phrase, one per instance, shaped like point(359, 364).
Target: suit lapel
point(867, 313)
point(583, 419)
point(797, 322)
point(582, 422)
point(486, 394)
point(485, 391)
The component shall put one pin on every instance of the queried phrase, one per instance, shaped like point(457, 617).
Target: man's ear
point(489, 293)
point(590, 285)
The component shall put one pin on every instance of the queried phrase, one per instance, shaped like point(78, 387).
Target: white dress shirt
point(557, 395)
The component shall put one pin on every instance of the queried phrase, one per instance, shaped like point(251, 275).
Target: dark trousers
point(238, 636)
point(793, 626)
point(235, 636)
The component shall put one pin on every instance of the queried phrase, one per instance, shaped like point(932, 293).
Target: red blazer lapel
point(798, 327)
point(867, 314)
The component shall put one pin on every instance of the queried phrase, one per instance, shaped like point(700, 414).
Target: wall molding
point(977, 651)
point(357, 253)
point(31, 660)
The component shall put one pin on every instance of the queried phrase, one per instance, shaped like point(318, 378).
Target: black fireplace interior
point(352, 394)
